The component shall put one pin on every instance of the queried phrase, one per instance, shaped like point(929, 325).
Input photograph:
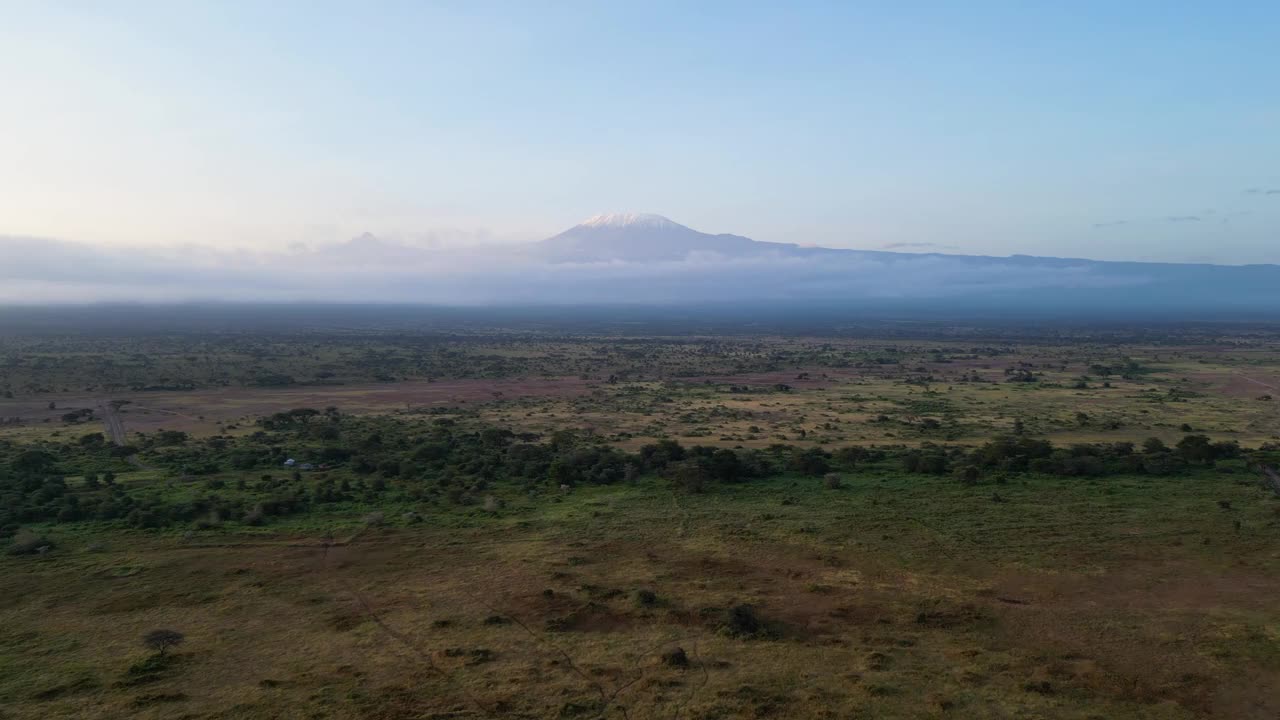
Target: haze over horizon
point(628, 258)
point(1143, 132)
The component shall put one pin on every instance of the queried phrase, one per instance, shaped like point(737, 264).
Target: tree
point(688, 475)
point(848, 457)
point(812, 462)
point(1196, 449)
point(161, 640)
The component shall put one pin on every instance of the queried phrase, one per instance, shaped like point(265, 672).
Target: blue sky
point(1107, 130)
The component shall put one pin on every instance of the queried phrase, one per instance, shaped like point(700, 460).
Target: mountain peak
point(637, 237)
point(629, 220)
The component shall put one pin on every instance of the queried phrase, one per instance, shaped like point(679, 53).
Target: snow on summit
point(620, 220)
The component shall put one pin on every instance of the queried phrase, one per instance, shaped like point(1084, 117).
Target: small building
point(289, 462)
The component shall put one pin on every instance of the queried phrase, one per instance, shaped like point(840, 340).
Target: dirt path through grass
point(1259, 382)
point(115, 430)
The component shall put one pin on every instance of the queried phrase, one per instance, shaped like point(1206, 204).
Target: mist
point(369, 269)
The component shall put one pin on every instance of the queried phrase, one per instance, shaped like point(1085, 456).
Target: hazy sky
point(1139, 130)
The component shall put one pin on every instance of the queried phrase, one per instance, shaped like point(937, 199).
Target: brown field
point(543, 621)
point(1220, 394)
point(206, 412)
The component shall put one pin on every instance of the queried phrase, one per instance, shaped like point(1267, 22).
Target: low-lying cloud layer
point(35, 270)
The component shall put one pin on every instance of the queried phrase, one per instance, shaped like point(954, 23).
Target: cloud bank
point(367, 268)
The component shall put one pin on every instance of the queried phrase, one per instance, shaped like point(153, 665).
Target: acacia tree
point(161, 640)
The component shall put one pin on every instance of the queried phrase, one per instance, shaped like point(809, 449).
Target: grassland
point(890, 597)
point(437, 588)
point(730, 391)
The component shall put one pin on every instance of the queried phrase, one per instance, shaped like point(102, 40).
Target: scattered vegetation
point(526, 525)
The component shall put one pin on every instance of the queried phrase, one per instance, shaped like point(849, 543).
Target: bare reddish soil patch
point(200, 411)
point(799, 377)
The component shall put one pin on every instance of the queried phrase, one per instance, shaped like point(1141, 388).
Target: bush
point(208, 522)
point(688, 475)
point(29, 543)
point(848, 457)
point(1162, 464)
point(812, 462)
point(743, 622)
point(675, 658)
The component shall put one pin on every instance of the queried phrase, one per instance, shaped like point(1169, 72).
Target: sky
point(1136, 130)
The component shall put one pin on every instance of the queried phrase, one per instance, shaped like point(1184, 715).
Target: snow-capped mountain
point(643, 259)
point(617, 220)
point(646, 257)
point(643, 237)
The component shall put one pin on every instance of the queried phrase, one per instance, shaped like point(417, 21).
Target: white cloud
point(368, 268)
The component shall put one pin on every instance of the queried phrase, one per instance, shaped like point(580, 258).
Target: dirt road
point(112, 422)
point(115, 430)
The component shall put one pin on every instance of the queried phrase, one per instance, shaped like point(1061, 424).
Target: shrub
point(675, 657)
point(743, 622)
point(29, 543)
point(1162, 464)
point(688, 475)
point(813, 462)
point(212, 520)
point(848, 457)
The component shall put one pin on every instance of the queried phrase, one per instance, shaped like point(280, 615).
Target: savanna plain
point(905, 521)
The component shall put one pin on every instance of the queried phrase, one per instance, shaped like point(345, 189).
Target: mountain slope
point(649, 258)
point(643, 238)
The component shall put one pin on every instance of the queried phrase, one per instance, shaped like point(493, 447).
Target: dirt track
point(1258, 382)
point(115, 430)
point(112, 422)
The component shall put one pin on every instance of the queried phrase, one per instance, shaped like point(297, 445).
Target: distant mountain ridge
point(650, 258)
point(643, 237)
point(639, 259)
